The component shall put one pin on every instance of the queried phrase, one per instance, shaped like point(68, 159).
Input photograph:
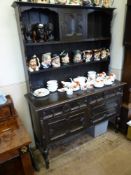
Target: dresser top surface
point(27, 4)
point(58, 98)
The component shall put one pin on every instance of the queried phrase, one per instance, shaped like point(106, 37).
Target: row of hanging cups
point(56, 60)
point(101, 3)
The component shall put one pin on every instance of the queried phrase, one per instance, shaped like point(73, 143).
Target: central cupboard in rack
point(56, 117)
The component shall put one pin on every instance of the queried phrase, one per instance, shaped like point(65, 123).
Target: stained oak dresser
point(57, 116)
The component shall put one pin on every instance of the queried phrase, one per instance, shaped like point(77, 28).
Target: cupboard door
point(78, 120)
point(72, 25)
point(57, 128)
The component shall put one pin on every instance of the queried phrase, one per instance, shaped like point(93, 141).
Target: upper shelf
point(71, 65)
point(61, 42)
point(32, 4)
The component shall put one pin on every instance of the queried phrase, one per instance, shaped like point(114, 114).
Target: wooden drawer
point(113, 93)
point(98, 109)
point(8, 156)
point(65, 108)
point(96, 99)
point(99, 117)
point(110, 93)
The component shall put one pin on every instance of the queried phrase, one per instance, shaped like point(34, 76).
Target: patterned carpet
point(108, 154)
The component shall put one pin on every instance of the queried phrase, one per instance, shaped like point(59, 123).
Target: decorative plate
point(108, 82)
point(98, 85)
point(41, 92)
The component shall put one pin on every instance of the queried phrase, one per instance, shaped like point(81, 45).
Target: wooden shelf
point(59, 6)
point(71, 65)
point(63, 42)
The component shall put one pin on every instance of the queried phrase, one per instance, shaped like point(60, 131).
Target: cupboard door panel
point(72, 25)
point(78, 121)
point(57, 128)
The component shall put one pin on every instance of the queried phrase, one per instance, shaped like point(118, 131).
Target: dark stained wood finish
point(57, 116)
point(129, 2)
point(14, 142)
point(126, 74)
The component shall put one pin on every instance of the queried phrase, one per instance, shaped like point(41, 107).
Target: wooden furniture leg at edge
point(26, 161)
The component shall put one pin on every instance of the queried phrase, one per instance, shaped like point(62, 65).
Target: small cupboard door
point(57, 128)
point(72, 24)
point(79, 120)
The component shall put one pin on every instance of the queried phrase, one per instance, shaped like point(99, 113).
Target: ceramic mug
point(91, 74)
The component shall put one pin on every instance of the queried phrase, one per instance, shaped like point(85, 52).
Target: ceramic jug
point(107, 3)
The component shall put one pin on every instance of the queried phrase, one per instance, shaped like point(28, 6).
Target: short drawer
point(60, 110)
point(98, 106)
point(114, 92)
point(110, 93)
point(96, 99)
point(99, 117)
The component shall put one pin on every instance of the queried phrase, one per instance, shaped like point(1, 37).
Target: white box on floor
point(98, 129)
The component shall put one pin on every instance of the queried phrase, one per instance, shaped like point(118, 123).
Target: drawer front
point(62, 125)
point(113, 93)
point(99, 117)
point(113, 106)
point(65, 108)
point(110, 93)
point(98, 108)
point(96, 100)
point(107, 108)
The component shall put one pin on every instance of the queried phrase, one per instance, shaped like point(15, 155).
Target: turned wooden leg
point(45, 155)
point(117, 124)
point(35, 163)
point(26, 161)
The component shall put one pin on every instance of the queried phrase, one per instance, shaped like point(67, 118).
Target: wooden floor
point(108, 154)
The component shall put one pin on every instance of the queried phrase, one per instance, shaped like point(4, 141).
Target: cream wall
point(117, 49)
point(12, 79)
